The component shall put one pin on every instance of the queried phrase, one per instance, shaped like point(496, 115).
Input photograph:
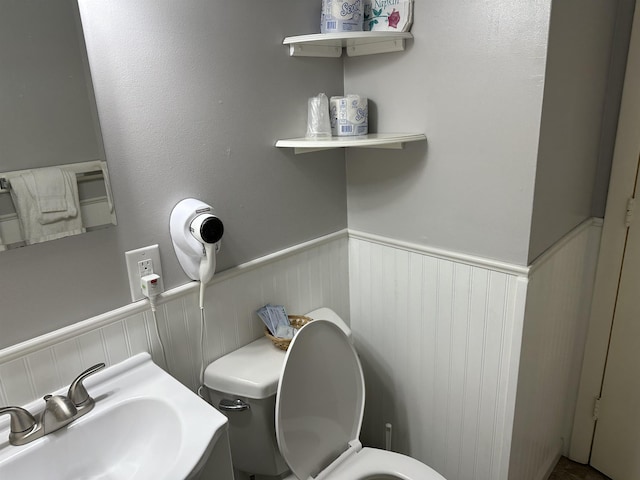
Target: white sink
point(145, 425)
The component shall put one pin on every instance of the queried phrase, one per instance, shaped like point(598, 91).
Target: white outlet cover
point(132, 257)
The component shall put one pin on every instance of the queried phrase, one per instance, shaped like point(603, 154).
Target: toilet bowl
point(316, 396)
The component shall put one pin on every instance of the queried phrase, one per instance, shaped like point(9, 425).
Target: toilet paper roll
point(342, 16)
point(349, 115)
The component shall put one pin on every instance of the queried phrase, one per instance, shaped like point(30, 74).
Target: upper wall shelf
point(373, 140)
point(355, 43)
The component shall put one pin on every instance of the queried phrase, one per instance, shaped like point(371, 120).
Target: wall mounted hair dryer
point(196, 234)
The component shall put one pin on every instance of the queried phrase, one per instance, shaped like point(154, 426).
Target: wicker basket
point(297, 322)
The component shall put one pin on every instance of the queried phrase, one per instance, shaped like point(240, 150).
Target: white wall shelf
point(354, 43)
point(373, 140)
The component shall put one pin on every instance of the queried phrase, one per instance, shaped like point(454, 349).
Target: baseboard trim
point(548, 469)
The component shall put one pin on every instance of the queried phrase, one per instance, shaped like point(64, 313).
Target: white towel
point(53, 189)
point(39, 219)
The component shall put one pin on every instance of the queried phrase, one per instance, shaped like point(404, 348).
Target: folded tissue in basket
point(276, 319)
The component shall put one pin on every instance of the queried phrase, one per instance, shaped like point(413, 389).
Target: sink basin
point(145, 425)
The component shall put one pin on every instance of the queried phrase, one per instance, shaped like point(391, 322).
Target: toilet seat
point(374, 464)
point(319, 410)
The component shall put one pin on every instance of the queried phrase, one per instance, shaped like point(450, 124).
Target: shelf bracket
point(310, 50)
point(387, 146)
point(299, 150)
point(371, 48)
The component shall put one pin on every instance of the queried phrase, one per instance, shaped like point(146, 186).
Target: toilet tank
point(251, 374)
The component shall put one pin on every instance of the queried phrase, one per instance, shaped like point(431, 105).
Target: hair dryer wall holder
point(195, 230)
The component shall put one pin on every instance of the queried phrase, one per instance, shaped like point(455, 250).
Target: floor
point(568, 470)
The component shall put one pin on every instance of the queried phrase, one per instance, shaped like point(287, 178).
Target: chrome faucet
point(58, 412)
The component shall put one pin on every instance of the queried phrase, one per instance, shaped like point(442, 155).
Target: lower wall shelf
point(373, 140)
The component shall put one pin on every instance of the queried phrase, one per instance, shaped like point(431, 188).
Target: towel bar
point(5, 186)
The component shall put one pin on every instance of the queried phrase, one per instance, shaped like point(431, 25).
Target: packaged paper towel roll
point(342, 16)
point(349, 115)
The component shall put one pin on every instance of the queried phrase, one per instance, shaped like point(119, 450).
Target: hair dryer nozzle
point(207, 228)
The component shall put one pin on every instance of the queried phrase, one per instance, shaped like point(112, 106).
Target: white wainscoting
point(475, 385)
point(440, 337)
point(555, 328)
point(439, 341)
point(302, 278)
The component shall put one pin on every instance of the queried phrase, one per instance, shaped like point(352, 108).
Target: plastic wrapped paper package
point(349, 115)
point(388, 15)
point(318, 123)
point(342, 16)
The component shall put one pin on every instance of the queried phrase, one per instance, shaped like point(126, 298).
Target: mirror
point(48, 114)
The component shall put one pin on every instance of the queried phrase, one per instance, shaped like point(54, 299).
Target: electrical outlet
point(141, 262)
point(145, 267)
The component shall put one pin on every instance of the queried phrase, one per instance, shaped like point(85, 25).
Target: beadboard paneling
point(302, 278)
point(440, 336)
point(439, 342)
point(556, 320)
point(473, 386)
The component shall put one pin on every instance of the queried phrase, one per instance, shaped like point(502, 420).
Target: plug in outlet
point(141, 262)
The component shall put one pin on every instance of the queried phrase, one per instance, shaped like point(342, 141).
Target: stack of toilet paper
point(342, 16)
point(388, 15)
point(349, 115)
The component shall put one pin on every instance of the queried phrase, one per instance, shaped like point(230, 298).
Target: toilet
point(301, 411)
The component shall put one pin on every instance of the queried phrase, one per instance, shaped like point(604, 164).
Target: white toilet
point(316, 394)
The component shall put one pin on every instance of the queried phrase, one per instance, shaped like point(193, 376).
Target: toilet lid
point(320, 399)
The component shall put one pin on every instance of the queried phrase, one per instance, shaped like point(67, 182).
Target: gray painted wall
point(520, 138)
point(47, 108)
point(191, 102)
point(620, 50)
point(580, 48)
point(473, 81)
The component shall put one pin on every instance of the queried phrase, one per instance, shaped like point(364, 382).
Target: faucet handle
point(21, 419)
point(77, 393)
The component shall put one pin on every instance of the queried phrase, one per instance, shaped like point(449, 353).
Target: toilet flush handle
point(238, 405)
